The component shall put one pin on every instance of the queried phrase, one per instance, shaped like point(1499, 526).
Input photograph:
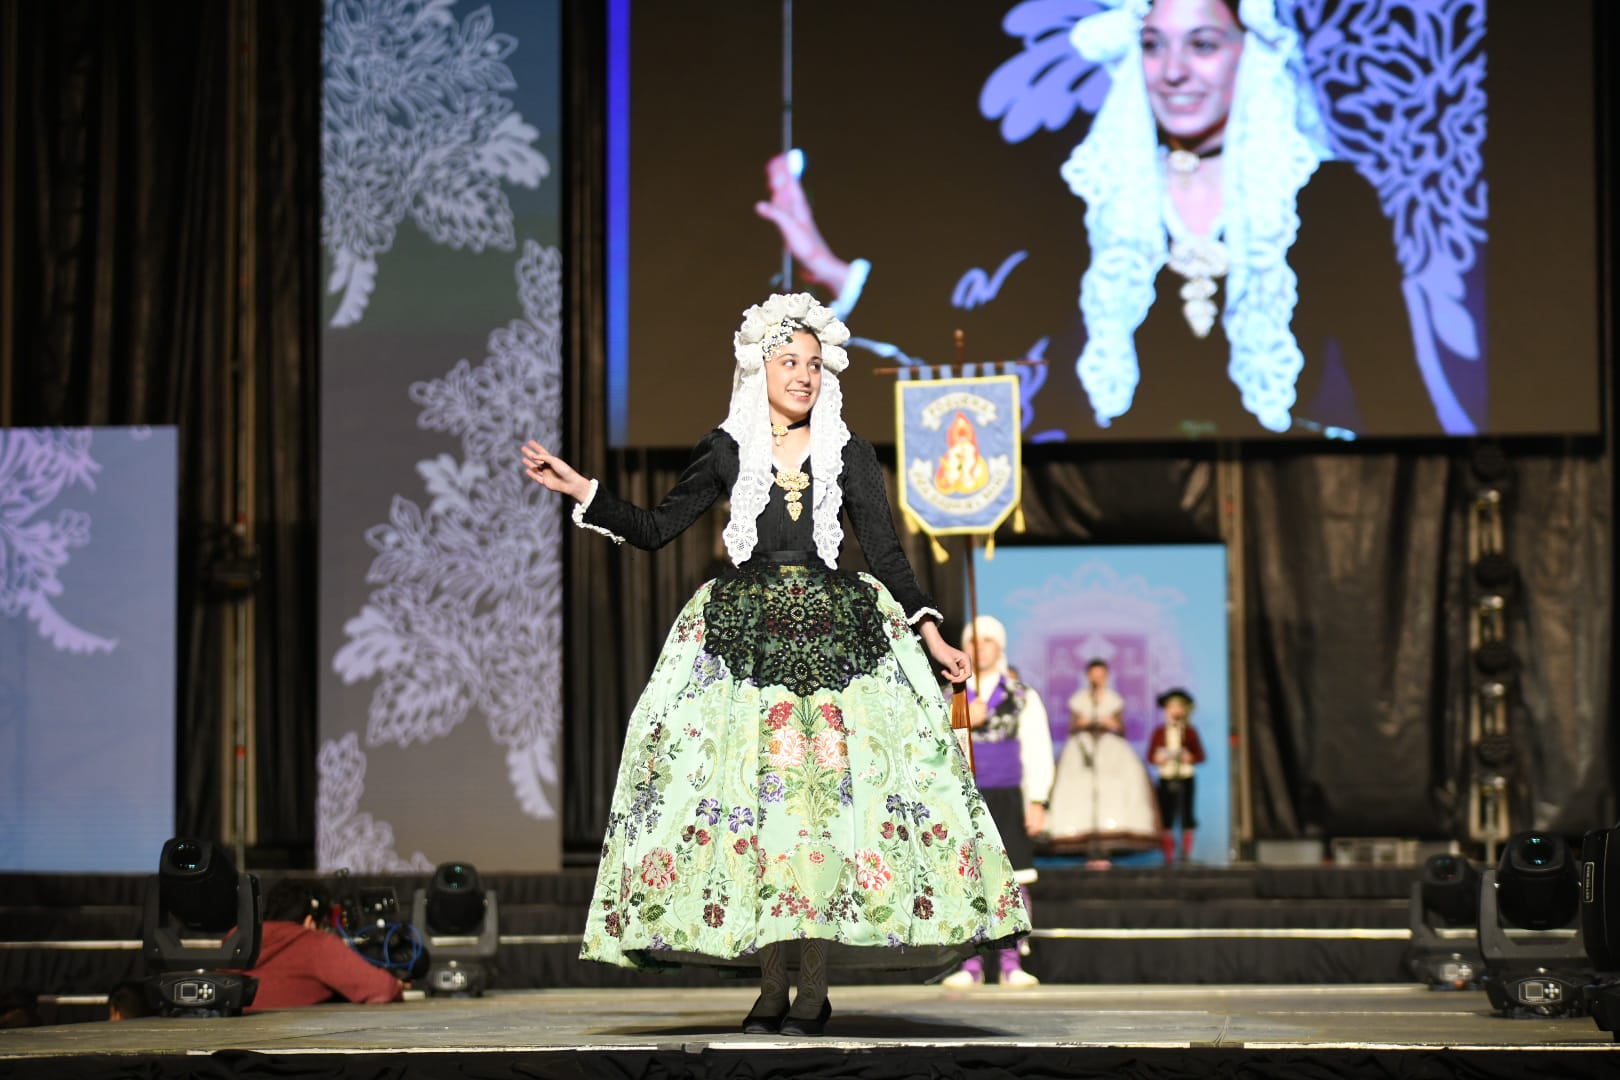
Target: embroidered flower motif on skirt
point(871, 872)
point(658, 868)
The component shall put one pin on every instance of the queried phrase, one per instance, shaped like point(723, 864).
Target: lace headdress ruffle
point(765, 327)
point(1273, 143)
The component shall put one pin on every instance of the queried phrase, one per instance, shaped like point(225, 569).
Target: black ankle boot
point(795, 1025)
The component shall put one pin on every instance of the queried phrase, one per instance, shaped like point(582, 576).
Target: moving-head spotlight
point(462, 922)
point(1600, 923)
point(1444, 910)
point(1529, 934)
point(202, 926)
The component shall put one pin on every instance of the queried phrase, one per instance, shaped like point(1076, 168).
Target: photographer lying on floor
point(302, 962)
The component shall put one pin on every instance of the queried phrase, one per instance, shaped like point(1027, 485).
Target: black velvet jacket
point(710, 476)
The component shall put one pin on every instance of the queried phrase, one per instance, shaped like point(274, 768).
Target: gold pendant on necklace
point(793, 481)
point(1183, 163)
point(779, 432)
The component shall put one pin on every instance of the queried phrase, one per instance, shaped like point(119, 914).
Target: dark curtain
point(1360, 594)
point(163, 238)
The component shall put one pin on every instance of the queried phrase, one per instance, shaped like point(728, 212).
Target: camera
point(368, 920)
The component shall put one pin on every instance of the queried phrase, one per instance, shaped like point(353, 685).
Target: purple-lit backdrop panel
point(1157, 614)
point(87, 625)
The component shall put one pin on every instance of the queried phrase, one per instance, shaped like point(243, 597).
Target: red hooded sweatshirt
point(299, 966)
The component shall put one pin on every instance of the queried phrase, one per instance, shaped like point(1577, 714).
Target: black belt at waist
point(799, 556)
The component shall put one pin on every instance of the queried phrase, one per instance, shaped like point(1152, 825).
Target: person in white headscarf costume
point(791, 791)
point(1012, 763)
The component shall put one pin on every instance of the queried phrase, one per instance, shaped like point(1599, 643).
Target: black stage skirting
point(812, 1063)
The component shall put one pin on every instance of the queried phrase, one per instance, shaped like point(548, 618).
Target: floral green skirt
point(789, 773)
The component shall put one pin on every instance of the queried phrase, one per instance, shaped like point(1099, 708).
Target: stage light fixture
point(1496, 752)
point(462, 922)
point(1600, 924)
point(1444, 911)
point(1494, 573)
point(202, 925)
point(1537, 882)
point(1600, 898)
point(1529, 933)
point(1495, 658)
point(1450, 888)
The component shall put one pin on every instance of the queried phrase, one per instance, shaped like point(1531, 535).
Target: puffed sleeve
point(866, 500)
point(699, 486)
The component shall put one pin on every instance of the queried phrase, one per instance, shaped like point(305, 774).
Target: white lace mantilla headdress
point(765, 328)
point(1273, 143)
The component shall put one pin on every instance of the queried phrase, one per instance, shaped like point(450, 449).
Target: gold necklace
point(793, 481)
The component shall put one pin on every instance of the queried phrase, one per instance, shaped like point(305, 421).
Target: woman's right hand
point(789, 211)
point(546, 468)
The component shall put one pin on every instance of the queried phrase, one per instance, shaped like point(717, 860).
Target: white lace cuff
point(920, 613)
point(579, 516)
point(850, 294)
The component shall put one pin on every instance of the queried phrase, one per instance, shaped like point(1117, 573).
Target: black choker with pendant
point(1184, 162)
point(779, 431)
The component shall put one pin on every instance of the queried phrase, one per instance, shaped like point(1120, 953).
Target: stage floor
point(545, 1031)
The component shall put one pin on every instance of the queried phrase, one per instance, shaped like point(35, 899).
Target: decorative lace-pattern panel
point(345, 835)
point(466, 614)
point(414, 124)
point(798, 627)
point(36, 467)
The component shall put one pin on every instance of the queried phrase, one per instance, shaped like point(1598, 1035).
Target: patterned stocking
point(773, 981)
point(812, 980)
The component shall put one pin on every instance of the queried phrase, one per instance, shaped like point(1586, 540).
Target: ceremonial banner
point(957, 453)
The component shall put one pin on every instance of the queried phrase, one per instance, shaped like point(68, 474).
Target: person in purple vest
point(1012, 758)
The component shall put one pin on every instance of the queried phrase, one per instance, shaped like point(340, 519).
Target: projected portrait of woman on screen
point(1238, 273)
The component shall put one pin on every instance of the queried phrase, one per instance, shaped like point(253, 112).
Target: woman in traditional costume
point(1102, 802)
point(791, 792)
